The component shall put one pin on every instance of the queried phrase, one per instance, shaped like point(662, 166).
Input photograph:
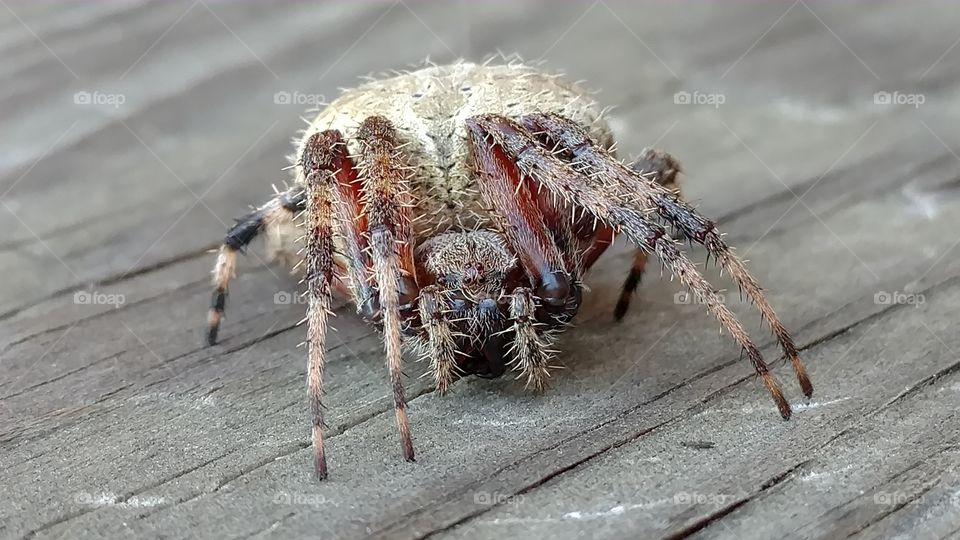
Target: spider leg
point(390, 238)
point(348, 211)
point(655, 196)
point(522, 222)
point(667, 178)
point(604, 201)
point(280, 209)
point(319, 276)
point(442, 345)
point(531, 347)
point(630, 284)
point(526, 219)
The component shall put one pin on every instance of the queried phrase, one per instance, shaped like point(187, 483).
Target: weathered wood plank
point(594, 384)
point(879, 410)
point(144, 430)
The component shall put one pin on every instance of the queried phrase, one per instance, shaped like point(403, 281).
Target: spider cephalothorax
point(440, 202)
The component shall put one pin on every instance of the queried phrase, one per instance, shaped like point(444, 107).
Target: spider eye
point(472, 273)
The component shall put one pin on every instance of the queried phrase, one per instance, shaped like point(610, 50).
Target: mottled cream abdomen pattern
point(429, 108)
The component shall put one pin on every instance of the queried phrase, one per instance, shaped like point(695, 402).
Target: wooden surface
point(115, 421)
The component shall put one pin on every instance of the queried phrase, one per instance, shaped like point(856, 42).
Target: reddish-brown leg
point(604, 200)
point(520, 214)
point(601, 236)
point(352, 222)
point(390, 239)
point(317, 156)
point(521, 221)
point(649, 191)
point(334, 198)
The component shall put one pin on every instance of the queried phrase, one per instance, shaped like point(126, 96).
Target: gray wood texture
point(116, 422)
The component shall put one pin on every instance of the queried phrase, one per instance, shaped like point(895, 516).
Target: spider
point(459, 207)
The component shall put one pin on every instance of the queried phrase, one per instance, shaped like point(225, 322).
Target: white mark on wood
point(818, 404)
point(824, 475)
point(753, 409)
point(171, 398)
point(109, 499)
point(615, 511)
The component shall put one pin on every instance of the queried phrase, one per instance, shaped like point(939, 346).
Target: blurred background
point(823, 136)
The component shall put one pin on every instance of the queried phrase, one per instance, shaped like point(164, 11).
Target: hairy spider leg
point(651, 196)
point(647, 166)
point(386, 199)
point(531, 346)
point(441, 344)
point(317, 155)
point(522, 220)
point(604, 200)
point(269, 216)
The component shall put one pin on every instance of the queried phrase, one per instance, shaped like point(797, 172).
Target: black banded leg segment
point(241, 234)
point(603, 199)
point(650, 192)
point(390, 240)
point(631, 283)
point(238, 237)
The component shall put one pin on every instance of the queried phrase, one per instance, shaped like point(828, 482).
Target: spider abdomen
point(429, 108)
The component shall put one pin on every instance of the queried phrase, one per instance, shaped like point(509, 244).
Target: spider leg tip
point(784, 406)
point(620, 310)
point(213, 328)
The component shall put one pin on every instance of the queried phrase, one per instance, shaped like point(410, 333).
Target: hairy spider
point(440, 201)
